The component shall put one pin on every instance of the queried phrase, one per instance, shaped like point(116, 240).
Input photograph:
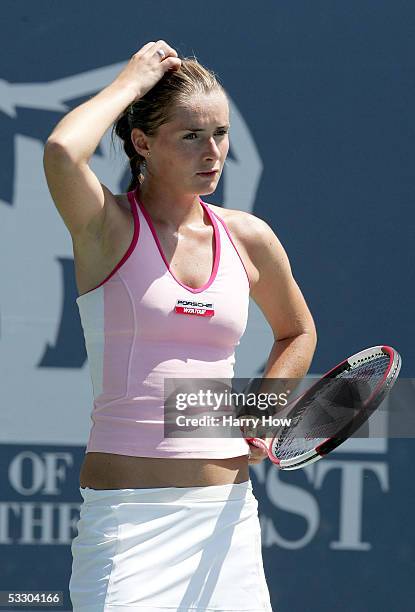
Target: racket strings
point(330, 407)
point(370, 372)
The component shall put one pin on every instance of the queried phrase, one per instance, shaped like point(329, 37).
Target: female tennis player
point(166, 523)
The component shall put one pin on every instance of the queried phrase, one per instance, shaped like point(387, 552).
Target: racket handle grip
point(257, 442)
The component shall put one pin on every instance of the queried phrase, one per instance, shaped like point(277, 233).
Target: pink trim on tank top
point(217, 246)
point(233, 244)
point(130, 248)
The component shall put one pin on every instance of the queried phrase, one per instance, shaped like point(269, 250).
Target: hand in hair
point(146, 67)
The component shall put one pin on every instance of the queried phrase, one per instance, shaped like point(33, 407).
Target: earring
point(141, 175)
point(143, 164)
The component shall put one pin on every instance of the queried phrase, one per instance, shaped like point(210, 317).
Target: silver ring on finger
point(161, 53)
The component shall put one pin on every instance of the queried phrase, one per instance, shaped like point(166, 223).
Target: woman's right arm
point(79, 196)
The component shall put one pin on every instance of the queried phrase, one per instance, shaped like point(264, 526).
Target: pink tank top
point(140, 328)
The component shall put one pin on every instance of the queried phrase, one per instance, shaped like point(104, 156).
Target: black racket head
point(332, 409)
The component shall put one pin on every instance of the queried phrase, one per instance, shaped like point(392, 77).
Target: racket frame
point(372, 402)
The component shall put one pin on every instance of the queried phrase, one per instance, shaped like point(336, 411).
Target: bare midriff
point(111, 471)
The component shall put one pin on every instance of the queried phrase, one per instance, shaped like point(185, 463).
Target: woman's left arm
point(275, 291)
point(283, 305)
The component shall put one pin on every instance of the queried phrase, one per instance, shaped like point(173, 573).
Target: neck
point(169, 209)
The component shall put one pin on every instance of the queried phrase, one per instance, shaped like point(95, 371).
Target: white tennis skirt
point(167, 549)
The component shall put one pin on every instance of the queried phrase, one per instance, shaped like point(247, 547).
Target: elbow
point(314, 336)
point(310, 329)
point(309, 335)
point(312, 332)
point(54, 147)
point(56, 153)
point(53, 150)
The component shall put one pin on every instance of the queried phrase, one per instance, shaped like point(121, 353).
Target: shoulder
point(257, 244)
point(238, 220)
point(254, 233)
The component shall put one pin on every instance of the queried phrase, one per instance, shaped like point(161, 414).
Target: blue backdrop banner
point(321, 96)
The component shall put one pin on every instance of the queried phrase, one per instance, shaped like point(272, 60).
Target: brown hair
point(157, 105)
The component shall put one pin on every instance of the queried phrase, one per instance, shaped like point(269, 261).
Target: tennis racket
point(333, 408)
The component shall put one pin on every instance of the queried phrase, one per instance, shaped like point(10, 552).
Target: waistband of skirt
point(224, 492)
